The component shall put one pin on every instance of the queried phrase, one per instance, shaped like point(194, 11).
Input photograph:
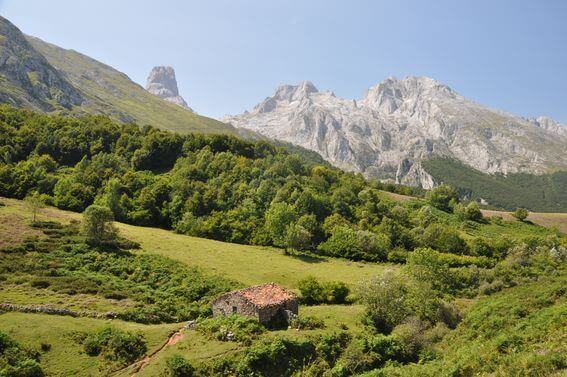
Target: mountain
point(27, 78)
point(162, 83)
point(39, 75)
point(400, 123)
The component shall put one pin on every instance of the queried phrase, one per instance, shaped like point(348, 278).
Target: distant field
point(548, 220)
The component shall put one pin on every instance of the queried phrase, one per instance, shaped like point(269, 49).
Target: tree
point(442, 197)
point(298, 238)
point(521, 214)
point(426, 266)
point(385, 301)
point(97, 225)
point(35, 203)
point(177, 366)
point(278, 218)
point(470, 212)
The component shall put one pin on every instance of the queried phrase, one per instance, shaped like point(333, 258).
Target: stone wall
point(272, 313)
point(225, 305)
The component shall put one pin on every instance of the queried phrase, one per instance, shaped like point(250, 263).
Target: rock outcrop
point(399, 123)
point(27, 78)
point(162, 83)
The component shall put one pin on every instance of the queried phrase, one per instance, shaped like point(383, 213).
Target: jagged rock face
point(549, 125)
point(162, 83)
point(27, 78)
point(399, 123)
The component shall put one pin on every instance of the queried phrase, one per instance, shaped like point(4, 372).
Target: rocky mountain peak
point(162, 83)
point(401, 122)
point(391, 93)
point(285, 94)
point(294, 92)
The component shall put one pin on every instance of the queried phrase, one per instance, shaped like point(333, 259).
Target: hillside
point(542, 193)
point(251, 265)
point(399, 123)
point(381, 280)
point(43, 76)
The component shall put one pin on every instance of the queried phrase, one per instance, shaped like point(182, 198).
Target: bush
point(276, 357)
point(521, 214)
point(17, 361)
point(331, 346)
point(307, 323)
point(331, 292)
point(385, 301)
point(469, 212)
point(97, 225)
point(40, 283)
point(243, 329)
point(115, 345)
point(177, 366)
point(356, 244)
point(442, 197)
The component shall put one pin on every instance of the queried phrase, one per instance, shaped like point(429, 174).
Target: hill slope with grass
point(519, 327)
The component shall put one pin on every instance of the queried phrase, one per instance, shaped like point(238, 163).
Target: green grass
point(249, 264)
point(246, 264)
point(66, 357)
point(24, 294)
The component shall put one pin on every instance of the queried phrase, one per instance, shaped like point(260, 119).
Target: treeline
point(223, 188)
point(542, 193)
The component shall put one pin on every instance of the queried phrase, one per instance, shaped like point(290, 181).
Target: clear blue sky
point(230, 54)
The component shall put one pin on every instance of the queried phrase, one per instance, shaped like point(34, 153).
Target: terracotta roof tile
point(266, 294)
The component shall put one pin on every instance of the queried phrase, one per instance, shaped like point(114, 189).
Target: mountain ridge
point(72, 83)
point(400, 122)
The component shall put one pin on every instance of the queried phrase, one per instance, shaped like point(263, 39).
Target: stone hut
point(271, 304)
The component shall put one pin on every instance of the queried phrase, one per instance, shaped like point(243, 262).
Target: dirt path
point(137, 366)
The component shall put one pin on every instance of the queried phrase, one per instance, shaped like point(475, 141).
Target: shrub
point(17, 361)
point(490, 288)
point(311, 291)
point(307, 323)
point(97, 225)
point(521, 214)
point(427, 266)
point(469, 212)
point(276, 357)
point(442, 197)
point(385, 301)
point(40, 283)
point(356, 244)
point(331, 346)
point(115, 345)
point(243, 329)
point(177, 366)
point(331, 292)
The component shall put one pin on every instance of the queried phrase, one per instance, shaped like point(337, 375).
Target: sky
point(230, 54)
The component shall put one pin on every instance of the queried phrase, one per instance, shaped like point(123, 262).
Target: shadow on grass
point(305, 257)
